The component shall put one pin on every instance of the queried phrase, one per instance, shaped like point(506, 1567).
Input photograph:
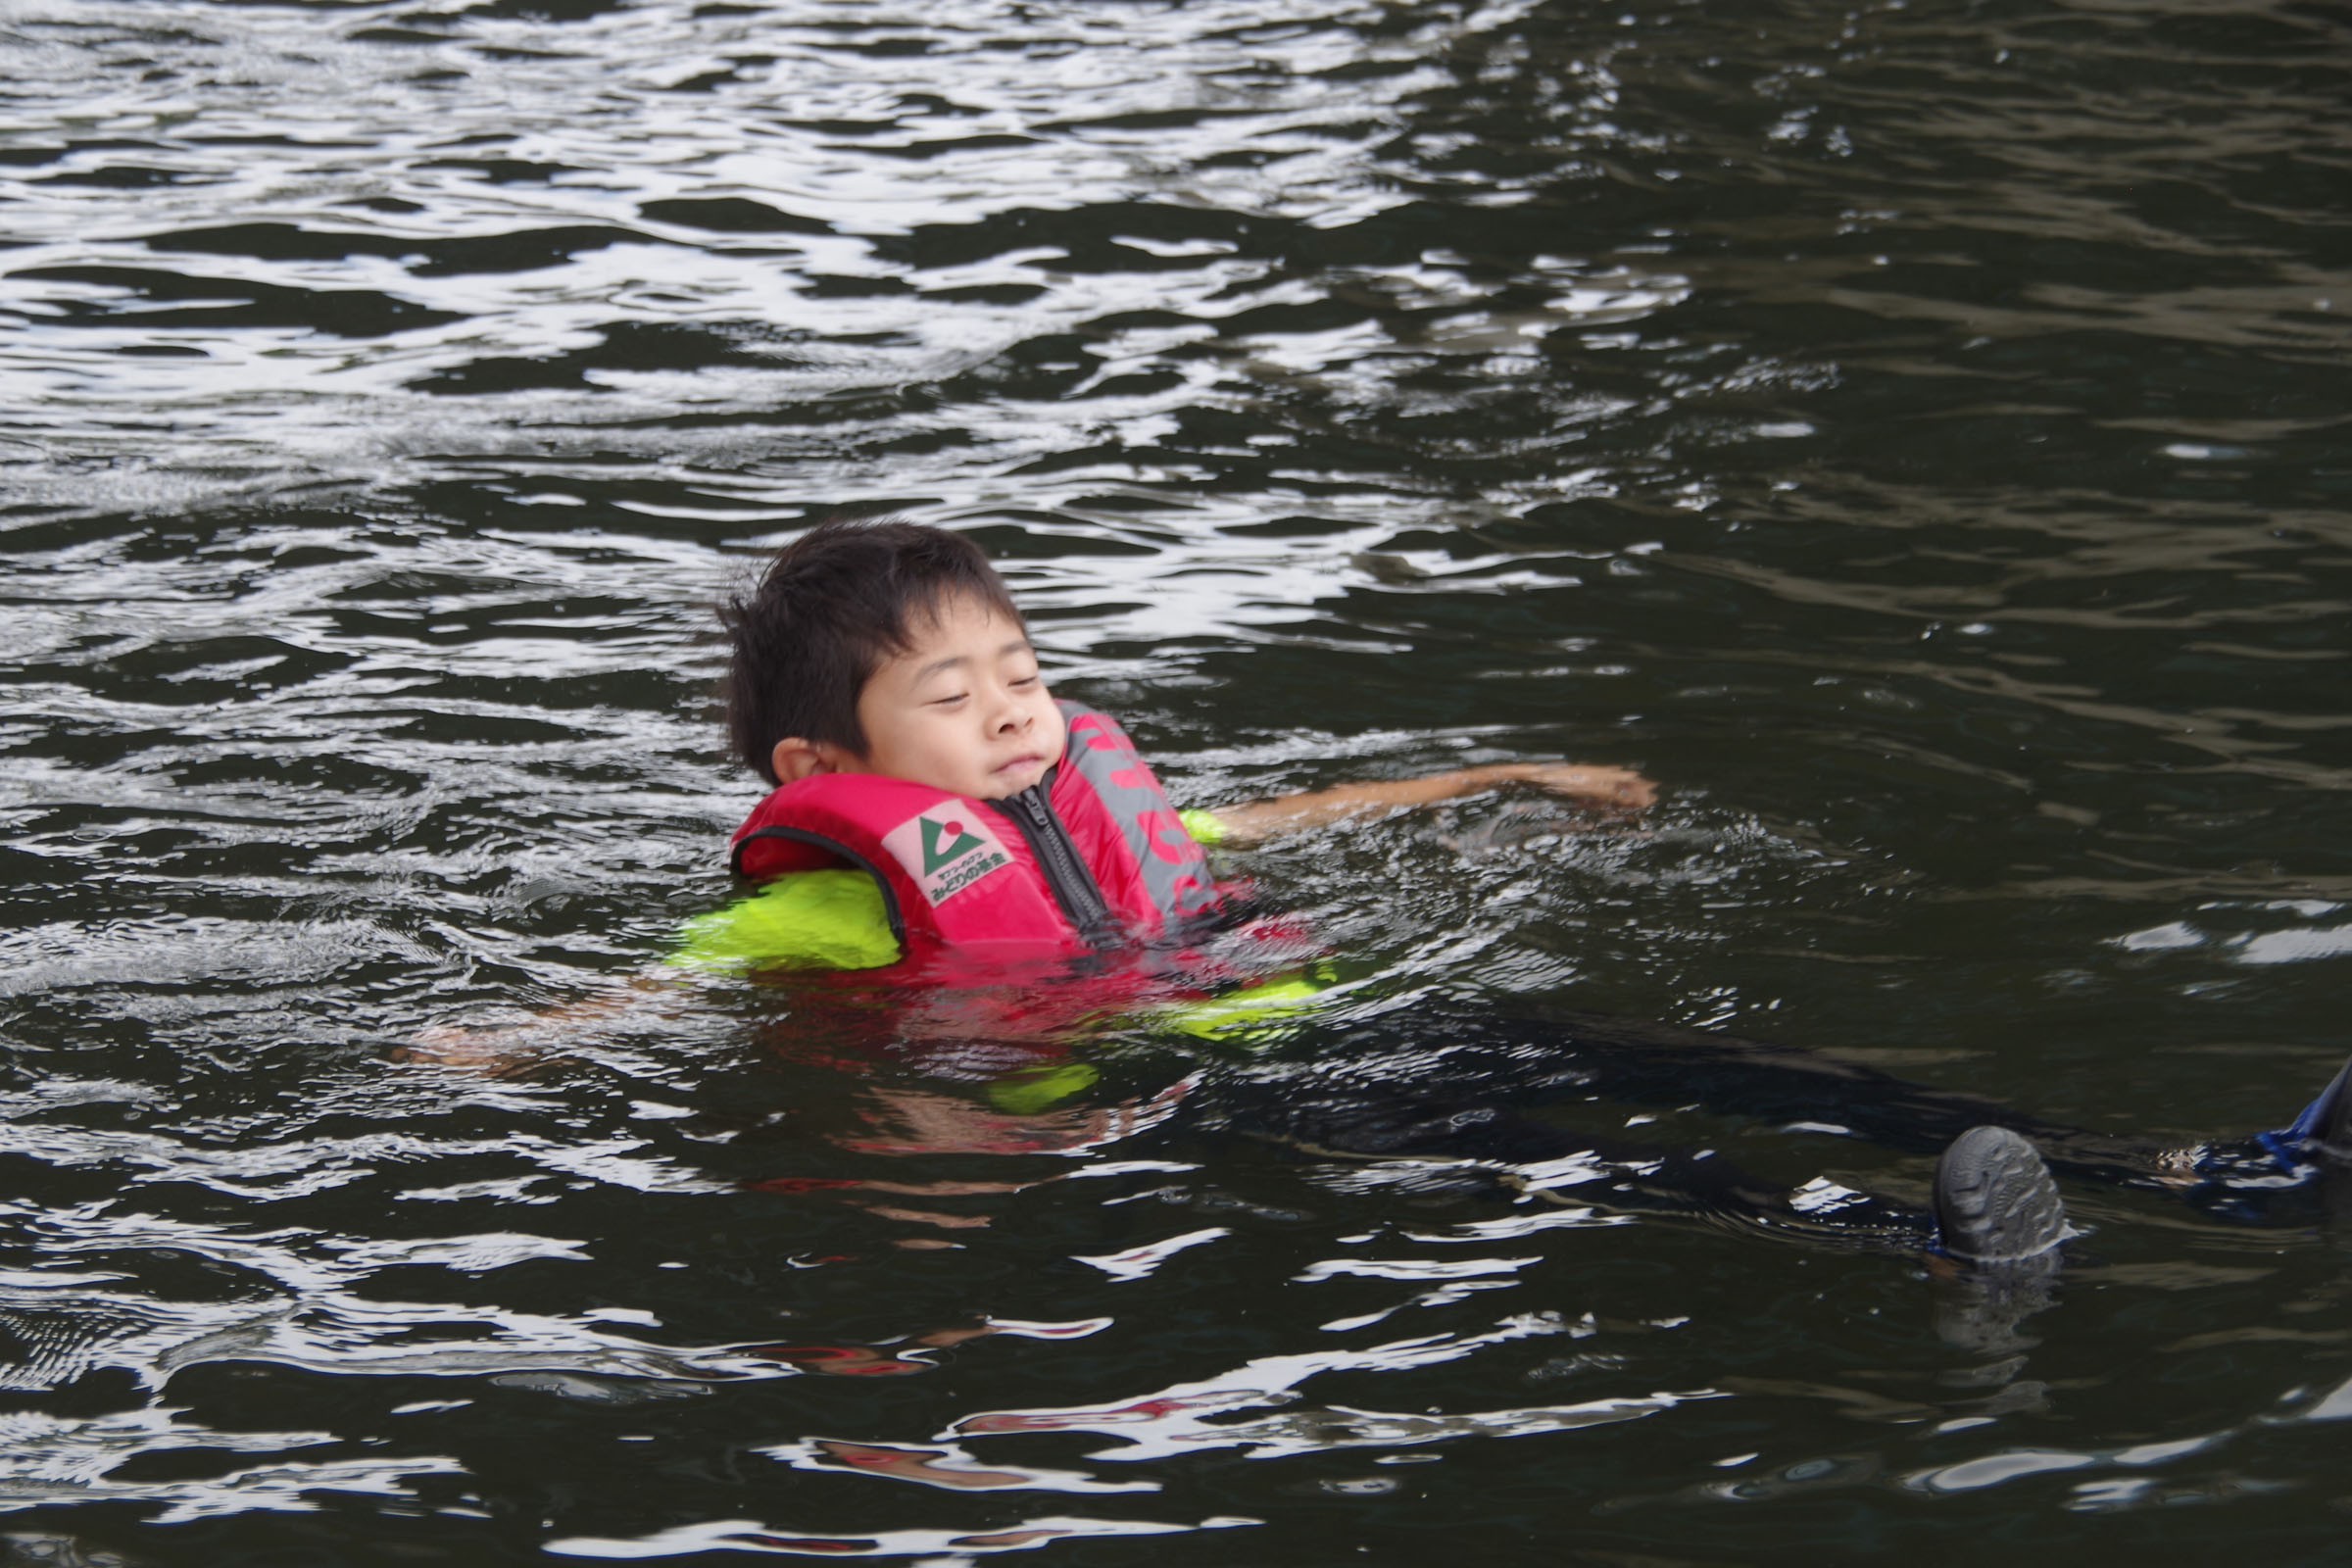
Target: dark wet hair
point(832, 607)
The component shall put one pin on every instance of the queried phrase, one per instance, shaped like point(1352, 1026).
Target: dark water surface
point(1913, 433)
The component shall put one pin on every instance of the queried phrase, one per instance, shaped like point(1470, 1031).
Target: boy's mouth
point(1018, 771)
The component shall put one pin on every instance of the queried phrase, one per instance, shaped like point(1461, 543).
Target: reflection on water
point(1912, 433)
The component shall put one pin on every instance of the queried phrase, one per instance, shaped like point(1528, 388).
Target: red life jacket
point(1091, 856)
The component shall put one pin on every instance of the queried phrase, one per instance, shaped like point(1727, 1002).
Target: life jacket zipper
point(1064, 868)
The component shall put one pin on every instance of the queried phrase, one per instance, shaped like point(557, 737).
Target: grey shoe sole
point(1994, 1200)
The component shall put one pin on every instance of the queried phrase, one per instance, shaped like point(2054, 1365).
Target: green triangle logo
point(944, 844)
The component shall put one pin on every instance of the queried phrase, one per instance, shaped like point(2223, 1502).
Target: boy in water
point(930, 792)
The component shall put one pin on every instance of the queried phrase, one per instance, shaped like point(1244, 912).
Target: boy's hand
point(498, 1053)
point(1614, 789)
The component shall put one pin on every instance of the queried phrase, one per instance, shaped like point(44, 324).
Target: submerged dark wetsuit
point(1470, 1088)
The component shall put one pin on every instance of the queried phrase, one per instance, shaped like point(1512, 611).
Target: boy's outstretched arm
point(1607, 789)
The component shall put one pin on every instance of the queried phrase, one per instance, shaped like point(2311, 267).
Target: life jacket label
point(946, 849)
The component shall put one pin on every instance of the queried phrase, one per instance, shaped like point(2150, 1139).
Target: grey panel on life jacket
point(1175, 873)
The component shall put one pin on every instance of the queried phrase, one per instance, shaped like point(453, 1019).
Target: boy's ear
point(795, 760)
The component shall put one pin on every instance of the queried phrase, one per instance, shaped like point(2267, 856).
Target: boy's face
point(963, 708)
